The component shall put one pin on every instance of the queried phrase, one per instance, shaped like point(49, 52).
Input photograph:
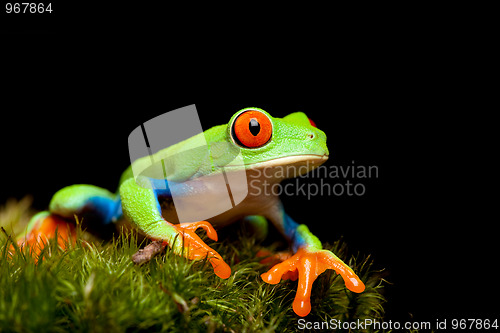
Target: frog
point(264, 144)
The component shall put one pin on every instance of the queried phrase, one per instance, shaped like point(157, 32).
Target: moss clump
point(96, 288)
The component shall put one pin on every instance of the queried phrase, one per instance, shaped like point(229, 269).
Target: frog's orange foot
point(309, 265)
point(43, 229)
point(193, 226)
point(272, 259)
point(196, 249)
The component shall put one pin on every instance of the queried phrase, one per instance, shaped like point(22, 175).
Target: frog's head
point(268, 142)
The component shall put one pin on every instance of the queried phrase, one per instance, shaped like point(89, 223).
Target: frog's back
point(213, 134)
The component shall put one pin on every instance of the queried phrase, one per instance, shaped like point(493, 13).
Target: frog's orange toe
point(308, 265)
point(302, 307)
point(196, 249)
point(221, 269)
point(351, 280)
point(211, 233)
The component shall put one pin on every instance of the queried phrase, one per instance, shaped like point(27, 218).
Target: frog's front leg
point(140, 205)
point(309, 261)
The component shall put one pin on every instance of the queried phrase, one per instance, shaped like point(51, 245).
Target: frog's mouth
point(287, 166)
point(313, 160)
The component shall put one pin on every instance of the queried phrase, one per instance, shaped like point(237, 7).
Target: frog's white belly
point(219, 199)
point(226, 197)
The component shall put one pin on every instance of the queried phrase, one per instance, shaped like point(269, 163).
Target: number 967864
point(28, 8)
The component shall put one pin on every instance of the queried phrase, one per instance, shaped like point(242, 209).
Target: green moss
point(96, 288)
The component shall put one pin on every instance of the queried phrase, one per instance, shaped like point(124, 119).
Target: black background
point(67, 115)
point(415, 218)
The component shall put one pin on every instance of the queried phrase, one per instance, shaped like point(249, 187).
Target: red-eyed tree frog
point(264, 142)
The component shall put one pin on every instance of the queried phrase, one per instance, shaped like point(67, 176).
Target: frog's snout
point(316, 134)
point(317, 141)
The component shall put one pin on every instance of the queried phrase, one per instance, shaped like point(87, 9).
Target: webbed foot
point(192, 247)
point(309, 265)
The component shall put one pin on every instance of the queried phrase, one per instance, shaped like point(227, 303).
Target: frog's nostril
point(310, 136)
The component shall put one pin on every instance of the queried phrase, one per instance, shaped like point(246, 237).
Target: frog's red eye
point(252, 129)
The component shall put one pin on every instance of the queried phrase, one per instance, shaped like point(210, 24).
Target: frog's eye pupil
point(254, 126)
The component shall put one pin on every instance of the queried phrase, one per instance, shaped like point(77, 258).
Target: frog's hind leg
point(95, 207)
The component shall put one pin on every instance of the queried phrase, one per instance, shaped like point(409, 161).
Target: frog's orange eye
point(252, 129)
